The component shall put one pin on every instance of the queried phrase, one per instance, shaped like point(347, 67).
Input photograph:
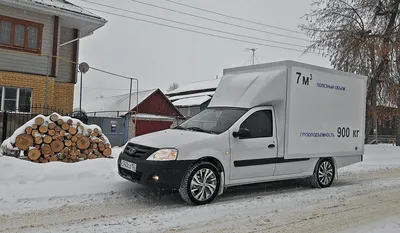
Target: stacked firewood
point(65, 139)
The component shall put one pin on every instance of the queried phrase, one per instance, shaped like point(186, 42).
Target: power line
point(105, 88)
point(192, 25)
point(218, 21)
point(232, 17)
point(198, 32)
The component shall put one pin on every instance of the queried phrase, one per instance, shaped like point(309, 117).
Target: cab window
point(259, 124)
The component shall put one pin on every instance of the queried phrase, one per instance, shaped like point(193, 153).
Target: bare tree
point(360, 36)
point(173, 86)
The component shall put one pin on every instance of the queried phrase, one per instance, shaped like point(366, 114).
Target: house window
point(22, 35)
point(15, 99)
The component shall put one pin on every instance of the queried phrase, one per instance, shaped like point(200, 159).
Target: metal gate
point(113, 128)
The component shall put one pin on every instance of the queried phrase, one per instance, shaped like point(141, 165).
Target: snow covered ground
point(91, 197)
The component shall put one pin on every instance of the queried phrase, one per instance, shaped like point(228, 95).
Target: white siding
point(23, 62)
point(65, 71)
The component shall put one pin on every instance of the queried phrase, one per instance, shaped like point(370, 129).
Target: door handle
point(271, 146)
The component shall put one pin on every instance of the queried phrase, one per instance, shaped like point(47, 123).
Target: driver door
point(254, 156)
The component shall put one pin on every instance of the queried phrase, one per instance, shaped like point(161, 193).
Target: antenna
point(254, 54)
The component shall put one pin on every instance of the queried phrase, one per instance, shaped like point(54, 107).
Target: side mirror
point(242, 133)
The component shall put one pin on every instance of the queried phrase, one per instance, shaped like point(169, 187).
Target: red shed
point(155, 110)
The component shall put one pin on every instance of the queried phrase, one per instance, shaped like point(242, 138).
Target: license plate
point(128, 165)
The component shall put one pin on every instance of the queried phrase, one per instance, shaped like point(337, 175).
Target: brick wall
point(60, 94)
point(63, 96)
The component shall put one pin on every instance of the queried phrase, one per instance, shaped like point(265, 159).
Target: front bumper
point(170, 173)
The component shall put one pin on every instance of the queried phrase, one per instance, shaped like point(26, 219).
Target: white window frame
point(17, 99)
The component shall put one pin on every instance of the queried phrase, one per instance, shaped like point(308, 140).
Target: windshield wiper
point(179, 127)
point(199, 130)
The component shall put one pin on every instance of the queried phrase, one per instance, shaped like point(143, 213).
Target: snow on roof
point(197, 86)
point(120, 103)
point(178, 97)
point(194, 101)
point(63, 5)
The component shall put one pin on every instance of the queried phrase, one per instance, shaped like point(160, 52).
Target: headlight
point(164, 155)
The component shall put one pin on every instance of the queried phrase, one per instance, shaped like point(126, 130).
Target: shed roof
point(193, 101)
point(196, 86)
point(119, 103)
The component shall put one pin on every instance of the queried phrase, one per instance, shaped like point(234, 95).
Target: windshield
point(213, 120)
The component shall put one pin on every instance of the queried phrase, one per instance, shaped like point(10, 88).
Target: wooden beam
point(55, 45)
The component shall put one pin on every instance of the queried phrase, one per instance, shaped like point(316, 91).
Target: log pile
point(56, 138)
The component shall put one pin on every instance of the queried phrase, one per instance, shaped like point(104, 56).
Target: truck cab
point(250, 133)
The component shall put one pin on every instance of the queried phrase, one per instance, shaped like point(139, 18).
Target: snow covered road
point(364, 199)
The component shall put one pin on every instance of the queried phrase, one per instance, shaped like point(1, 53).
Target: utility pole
point(254, 54)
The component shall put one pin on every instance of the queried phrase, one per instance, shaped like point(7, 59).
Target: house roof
point(193, 101)
point(109, 106)
point(178, 97)
point(204, 85)
point(74, 16)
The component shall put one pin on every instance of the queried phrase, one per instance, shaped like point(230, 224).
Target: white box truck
point(267, 122)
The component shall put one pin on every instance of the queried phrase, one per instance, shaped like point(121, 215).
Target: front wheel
point(201, 184)
point(324, 174)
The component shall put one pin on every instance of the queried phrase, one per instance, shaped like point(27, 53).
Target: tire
point(189, 183)
point(320, 178)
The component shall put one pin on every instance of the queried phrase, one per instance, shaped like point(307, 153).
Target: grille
point(138, 151)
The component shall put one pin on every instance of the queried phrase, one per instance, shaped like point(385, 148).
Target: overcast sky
point(159, 56)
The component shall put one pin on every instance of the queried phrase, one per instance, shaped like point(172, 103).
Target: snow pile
point(376, 158)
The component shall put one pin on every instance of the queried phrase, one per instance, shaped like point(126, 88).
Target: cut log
point(24, 141)
point(65, 160)
point(69, 161)
point(53, 159)
point(46, 150)
point(39, 121)
point(35, 133)
point(79, 135)
point(73, 144)
point(89, 131)
point(45, 161)
point(73, 156)
point(68, 143)
point(38, 140)
point(96, 130)
point(108, 145)
point(92, 156)
point(107, 152)
point(37, 147)
point(72, 130)
point(52, 125)
point(51, 132)
point(54, 137)
point(70, 122)
point(57, 129)
point(54, 118)
point(34, 154)
point(94, 145)
point(94, 134)
point(69, 136)
point(83, 143)
point(62, 133)
point(41, 159)
point(74, 138)
point(47, 139)
point(28, 130)
point(34, 126)
point(60, 122)
point(86, 152)
point(80, 128)
point(65, 126)
point(43, 129)
point(57, 146)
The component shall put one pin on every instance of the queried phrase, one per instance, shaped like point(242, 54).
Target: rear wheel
point(324, 174)
point(200, 184)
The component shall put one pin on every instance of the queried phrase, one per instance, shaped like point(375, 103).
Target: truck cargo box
point(319, 111)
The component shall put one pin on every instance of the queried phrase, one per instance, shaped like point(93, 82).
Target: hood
point(170, 138)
